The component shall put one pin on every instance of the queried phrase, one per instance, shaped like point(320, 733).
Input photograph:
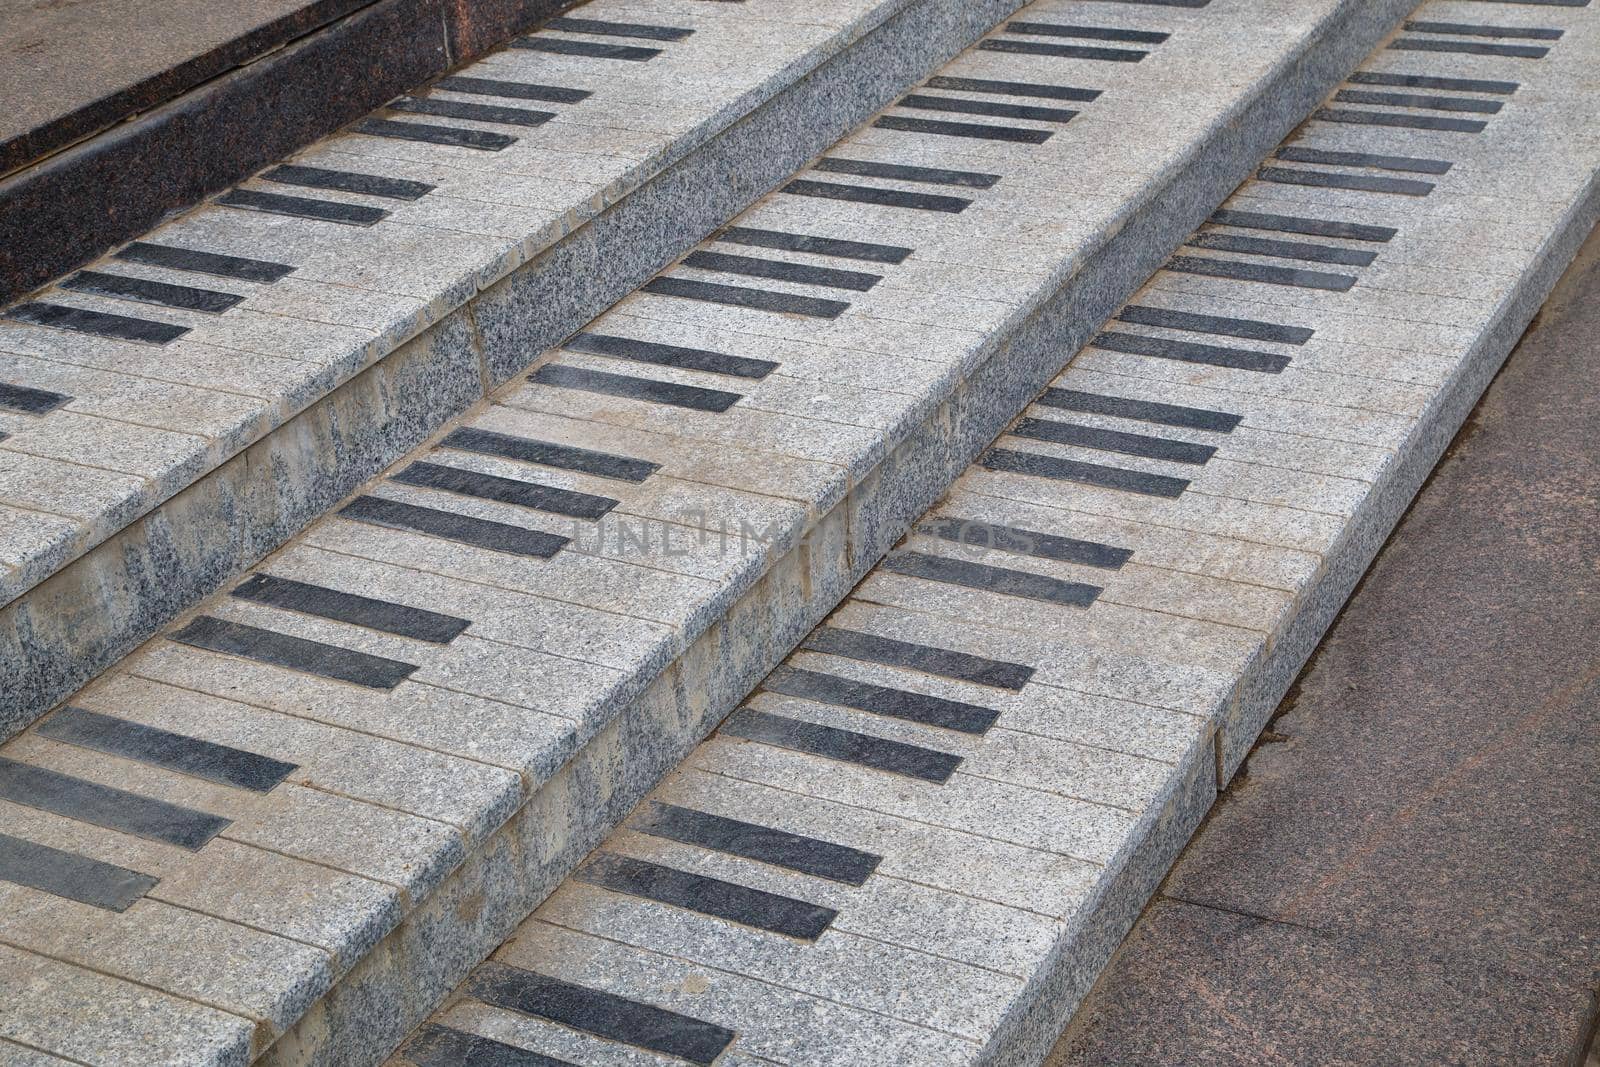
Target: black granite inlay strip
point(461, 109)
point(846, 746)
point(549, 454)
point(778, 270)
point(1004, 88)
point(1028, 543)
point(1421, 100)
point(1261, 246)
point(741, 296)
point(881, 700)
point(238, 267)
point(505, 490)
point(1472, 48)
point(990, 579)
point(670, 355)
point(1324, 179)
point(552, 94)
point(957, 105)
point(642, 30)
point(1424, 81)
point(962, 666)
point(480, 533)
point(348, 182)
point(1469, 29)
point(1129, 444)
point(1191, 352)
point(70, 876)
point(145, 291)
point(592, 49)
point(443, 1046)
point(649, 390)
point(1008, 461)
point(1399, 121)
point(162, 748)
point(1062, 51)
point(602, 1014)
point(1122, 407)
point(1087, 33)
point(975, 130)
point(1255, 220)
point(1258, 272)
point(756, 908)
point(402, 620)
point(866, 194)
point(1254, 329)
point(304, 207)
point(101, 805)
point(99, 323)
point(793, 852)
point(28, 401)
point(295, 653)
point(1403, 164)
point(483, 140)
point(900, 172)
point(817, 246)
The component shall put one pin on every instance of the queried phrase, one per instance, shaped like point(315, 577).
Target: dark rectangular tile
point(348, 182)
point(1419, 100)
point(778, 270)
point(70, 876)
point(990, 579)
point(549, 454)
point(975, 130)
point(1471, 48)
point(962, 666)
point(101, 805)
point(1473, 29)
point(1141, 410)
point(590, 49)
point(480, 533)
point(669, 355)
point(26, 401)
point(1259, 272)
point(552, 94)
point(960, 106)
point(1259, 246)
point(1087, 33)
point(865, 168)
point(1253, 329)
point(238, 267)
point(304, 207)
point(604, 1015)
point(719, 899)
point(162, 748)
point(1061, 51)
point(641, 30)
point(482, 140)
point(294, 653)
point(817, 246)
point(1255, 220)
point(1068, 470)
point(1324, 179)
point(549, 498)
point(402, 620)
point(881, 700)
point(793, 852)
point(867, 194)
point(1128, 444)
point(846, 746)
point(442, 1046)
point(1403, 164)
point(649, 390)
point(99, 323)
point(461, 109)
point(1005, 88)
point(742, 296)
point(145, 291)
point(1191, 352)
point(988, 535)
point(1424, 81)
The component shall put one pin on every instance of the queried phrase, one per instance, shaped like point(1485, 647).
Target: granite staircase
point(811, 652)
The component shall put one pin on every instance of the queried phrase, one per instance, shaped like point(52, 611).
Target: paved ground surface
point(1409, 873)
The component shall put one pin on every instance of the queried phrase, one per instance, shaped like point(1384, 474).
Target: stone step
point(288, 826)
point(919, 840)
point(180, 408)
